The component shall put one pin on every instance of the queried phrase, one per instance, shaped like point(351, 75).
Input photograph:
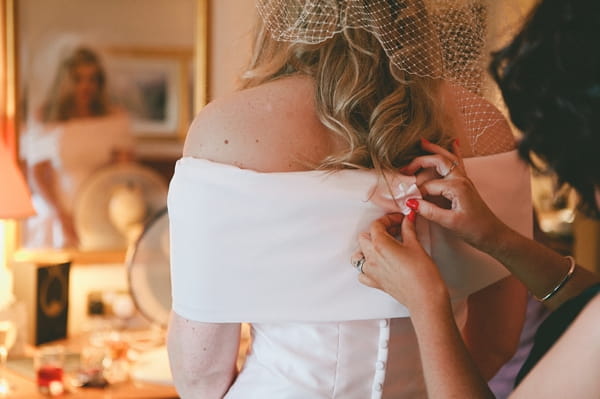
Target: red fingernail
point(412, 216)
point(412, 204)
point(424, 141)
point(457, 142)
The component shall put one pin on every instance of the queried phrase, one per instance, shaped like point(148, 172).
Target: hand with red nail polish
point(412, 216)
point(468, 216)
point(413, 204)
point(401, 267)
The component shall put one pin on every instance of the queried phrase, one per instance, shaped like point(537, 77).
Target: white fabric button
point(383, 323)
point(379, 387)
point(380, 365)
point(384, 344)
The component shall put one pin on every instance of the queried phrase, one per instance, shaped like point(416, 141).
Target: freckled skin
point(283, 136)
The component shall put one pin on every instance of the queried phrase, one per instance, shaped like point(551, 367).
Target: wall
point(231, 25)
point(49, 29)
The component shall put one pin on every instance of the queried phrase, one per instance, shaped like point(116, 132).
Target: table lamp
point(15, 199)
point(15, 203)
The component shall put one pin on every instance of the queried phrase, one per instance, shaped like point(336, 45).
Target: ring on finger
point(454, 165)
point(359, 264)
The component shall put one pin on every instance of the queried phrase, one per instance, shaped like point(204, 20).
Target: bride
point(278, 179)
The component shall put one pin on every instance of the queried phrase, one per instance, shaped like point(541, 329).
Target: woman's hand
point(401, 268)
point(469, 217)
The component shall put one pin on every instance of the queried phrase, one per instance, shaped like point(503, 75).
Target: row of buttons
point(382, 355)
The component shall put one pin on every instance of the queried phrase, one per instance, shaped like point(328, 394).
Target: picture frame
point(153, 86)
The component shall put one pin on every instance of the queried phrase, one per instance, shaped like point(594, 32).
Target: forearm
point(43, 177)
point(447, 366)
point(493, 340)
point(202, 357)
point(537, 267)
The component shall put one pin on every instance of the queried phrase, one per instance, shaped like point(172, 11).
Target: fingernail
point(424, 141)
point(412, 216)
point(457, 142)
point(412, 204)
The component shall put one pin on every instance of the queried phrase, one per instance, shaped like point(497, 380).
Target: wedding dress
point(273, 249)
point(75, 150)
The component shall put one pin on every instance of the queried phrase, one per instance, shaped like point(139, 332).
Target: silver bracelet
point(562, 282)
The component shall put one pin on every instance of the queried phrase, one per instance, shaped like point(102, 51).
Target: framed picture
point(153, 86)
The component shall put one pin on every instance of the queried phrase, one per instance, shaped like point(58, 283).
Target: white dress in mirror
point(74, 150)
point(71, 133)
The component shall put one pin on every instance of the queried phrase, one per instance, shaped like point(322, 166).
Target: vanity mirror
point(104, 92)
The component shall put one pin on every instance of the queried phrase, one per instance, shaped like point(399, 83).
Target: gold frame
point(182, 57)
point(9, 77)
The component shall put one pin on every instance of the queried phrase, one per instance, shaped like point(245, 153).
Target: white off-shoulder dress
point(75, 149)
point(273, 249)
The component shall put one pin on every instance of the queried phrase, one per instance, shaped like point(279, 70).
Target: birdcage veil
point(439, 39)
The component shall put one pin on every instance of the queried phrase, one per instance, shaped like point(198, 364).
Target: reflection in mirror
point(105, 96)
point(73, 133)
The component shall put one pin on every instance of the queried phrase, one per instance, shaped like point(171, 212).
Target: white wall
point(49, 29)
point(151, 23)
point(231, 26)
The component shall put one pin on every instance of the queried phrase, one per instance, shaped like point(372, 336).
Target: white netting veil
point(440, 39)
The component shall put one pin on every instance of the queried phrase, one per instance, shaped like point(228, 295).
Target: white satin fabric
point(273, 249)
point(75, 149)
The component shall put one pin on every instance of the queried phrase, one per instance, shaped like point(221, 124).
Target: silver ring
point(454, 165)
point(359, 264)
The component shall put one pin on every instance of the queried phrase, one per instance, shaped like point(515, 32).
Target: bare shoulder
point(267, 128)
point(496, 134)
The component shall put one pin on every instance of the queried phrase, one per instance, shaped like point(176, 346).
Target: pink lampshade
point(15, 199)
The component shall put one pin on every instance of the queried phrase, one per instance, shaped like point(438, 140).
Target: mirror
point(104, 91)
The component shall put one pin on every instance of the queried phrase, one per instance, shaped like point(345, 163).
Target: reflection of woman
point(76, 131)
point(260, 235)
point(549, 79)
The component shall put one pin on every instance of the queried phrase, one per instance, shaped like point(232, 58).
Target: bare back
point(269, 128)
point(274, 128)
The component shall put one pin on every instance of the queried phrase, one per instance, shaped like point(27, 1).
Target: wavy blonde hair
point(59, 105)
point(379, 110)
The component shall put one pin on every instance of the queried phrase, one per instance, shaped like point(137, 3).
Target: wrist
point(435, 306)
point(492, 238)
point(432, 317)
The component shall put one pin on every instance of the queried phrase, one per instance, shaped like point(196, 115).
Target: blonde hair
point(59, 105)
point(379, 110)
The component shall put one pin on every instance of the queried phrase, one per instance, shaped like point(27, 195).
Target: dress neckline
point(192, 159)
